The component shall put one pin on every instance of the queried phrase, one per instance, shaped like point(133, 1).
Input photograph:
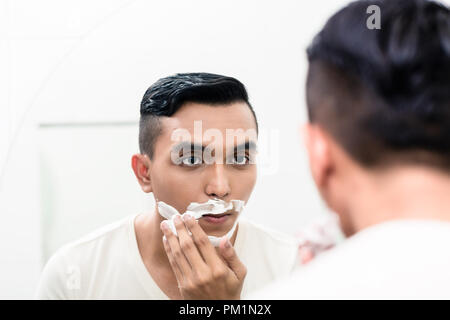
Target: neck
point(401, 193)
point(149, 236)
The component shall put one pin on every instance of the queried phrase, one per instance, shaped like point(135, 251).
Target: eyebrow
point(187, 145)
point(248, 145)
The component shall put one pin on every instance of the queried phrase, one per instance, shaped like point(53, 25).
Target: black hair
point(384, 94)
point(167, 95)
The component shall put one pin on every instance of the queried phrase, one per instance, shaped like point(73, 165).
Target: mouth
point(216, 218)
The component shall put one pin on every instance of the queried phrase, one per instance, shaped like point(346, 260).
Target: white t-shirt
point(401, 259)
point(107, 264)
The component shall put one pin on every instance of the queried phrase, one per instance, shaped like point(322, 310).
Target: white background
point(72, 74)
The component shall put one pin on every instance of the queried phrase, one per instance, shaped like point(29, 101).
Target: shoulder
point(259, 244)
point(325, 277)
point(378, 262)
point(80, 257)
point(107, 232)
point(266, 235)
point(104, 240)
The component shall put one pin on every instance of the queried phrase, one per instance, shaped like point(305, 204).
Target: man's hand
point(200, 272)
point(319, 236)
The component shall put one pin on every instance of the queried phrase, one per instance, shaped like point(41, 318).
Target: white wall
point(91, 61)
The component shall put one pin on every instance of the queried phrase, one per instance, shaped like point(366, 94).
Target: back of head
point(384, 94)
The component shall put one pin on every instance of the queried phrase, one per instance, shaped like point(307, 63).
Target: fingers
point(176, 252)
point(172, 262)
point(189, 248)
point(229, 254)
point(305, 254)
point(196, 257)
point(202, 242)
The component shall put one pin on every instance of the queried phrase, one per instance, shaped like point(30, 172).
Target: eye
point(191, 161)
point(241, 160)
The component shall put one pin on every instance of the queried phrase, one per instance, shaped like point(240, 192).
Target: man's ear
point(319, 153)
point(141, 167)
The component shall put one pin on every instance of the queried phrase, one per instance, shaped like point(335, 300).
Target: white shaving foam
point(198, 210)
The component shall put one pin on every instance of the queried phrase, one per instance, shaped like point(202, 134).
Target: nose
point(217, 185)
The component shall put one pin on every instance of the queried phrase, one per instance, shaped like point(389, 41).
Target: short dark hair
point(167, 95)
point(384, 94)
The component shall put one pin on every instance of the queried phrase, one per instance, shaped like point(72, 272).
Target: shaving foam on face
point(198, 210)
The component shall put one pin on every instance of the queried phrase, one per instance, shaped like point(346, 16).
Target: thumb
point(305, 254)
point(229, 255)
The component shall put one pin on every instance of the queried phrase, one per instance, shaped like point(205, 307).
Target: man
point(379, 149)
point(185, 156)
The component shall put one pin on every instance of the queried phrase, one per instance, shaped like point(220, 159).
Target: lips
point(216, 215)
point(215, 218)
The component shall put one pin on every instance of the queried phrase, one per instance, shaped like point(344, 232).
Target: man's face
point(194, 160)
